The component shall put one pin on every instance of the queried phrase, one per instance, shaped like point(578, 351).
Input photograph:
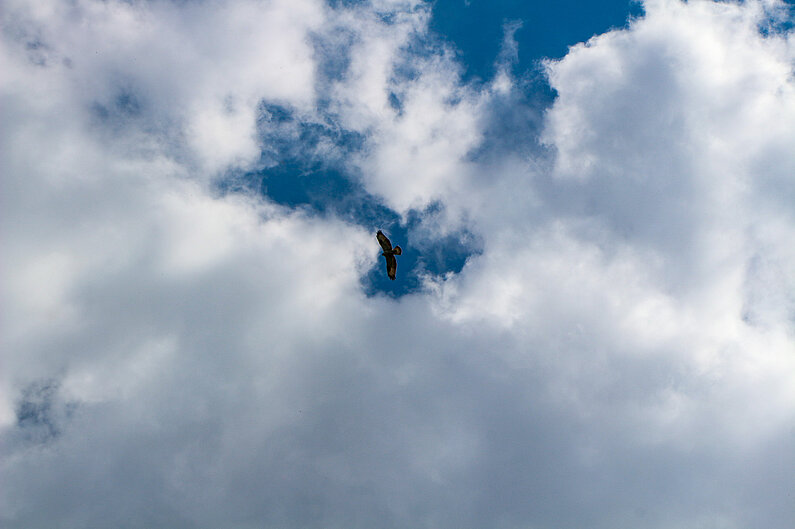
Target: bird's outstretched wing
point(391, 266)
point(383, 241)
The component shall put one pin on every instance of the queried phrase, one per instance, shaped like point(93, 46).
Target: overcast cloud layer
point(619, 352)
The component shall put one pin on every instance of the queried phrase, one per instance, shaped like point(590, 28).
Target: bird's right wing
point(383, 241)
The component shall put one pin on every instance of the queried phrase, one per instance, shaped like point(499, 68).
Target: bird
point(389, 253)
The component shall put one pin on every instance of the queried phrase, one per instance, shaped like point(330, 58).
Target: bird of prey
point(389, 253)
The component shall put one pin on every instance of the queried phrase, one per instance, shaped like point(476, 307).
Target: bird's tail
point(397, 250)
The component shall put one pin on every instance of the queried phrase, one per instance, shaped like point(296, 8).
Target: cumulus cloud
point(620, 352)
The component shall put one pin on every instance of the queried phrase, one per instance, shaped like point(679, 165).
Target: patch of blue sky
point(420, 257)
point(302, 167)
point(476, 27)
point(302, 163)
point(779, 21)
point(325, 190)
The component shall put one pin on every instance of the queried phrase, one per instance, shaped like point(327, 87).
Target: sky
point(593, 322)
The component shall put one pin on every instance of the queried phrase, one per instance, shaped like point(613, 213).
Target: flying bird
point(389, 253)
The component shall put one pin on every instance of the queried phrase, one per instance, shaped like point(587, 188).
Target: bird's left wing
point(391, 266)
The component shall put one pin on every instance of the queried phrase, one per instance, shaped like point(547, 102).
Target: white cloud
point(195, 70)
point(620, 354)
point(417, 142)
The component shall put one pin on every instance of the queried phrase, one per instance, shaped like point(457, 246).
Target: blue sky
point(548, 28)
point(594, 315)
point(476, 32)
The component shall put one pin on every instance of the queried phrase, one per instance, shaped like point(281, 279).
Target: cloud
point(618, 353)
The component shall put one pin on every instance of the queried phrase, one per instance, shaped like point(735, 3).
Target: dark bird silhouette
point(389, 253)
